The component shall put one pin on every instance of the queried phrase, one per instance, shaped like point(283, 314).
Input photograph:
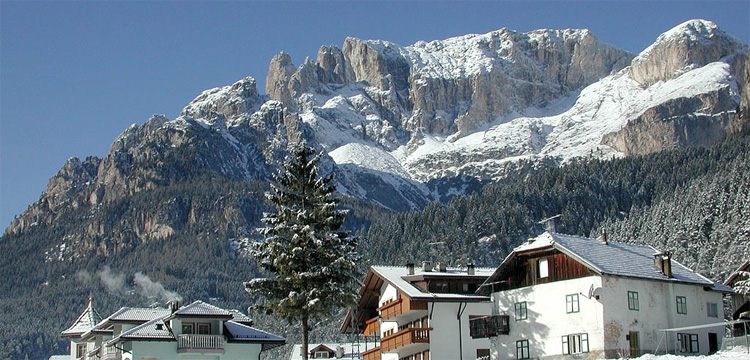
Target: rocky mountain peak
point(692, 44)
point(226, 103)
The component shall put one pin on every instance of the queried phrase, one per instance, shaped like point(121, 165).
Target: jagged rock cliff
point(407, 125)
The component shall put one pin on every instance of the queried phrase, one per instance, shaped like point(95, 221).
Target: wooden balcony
point(405, 337)
point(200, 344)
point(402, 305)
point(372, 327)
point(372, 354)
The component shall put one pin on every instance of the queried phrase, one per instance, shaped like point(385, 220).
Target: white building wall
point(445, 339)
point(547, 320)
point(657, 310)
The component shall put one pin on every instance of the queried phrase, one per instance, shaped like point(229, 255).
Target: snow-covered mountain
point(407, 125)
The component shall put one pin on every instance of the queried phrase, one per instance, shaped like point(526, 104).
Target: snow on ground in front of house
point(738, 353)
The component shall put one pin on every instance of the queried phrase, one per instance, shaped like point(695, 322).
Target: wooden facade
point(525, 269)
point(372, 354)
point(405, 337)
point(400, 306)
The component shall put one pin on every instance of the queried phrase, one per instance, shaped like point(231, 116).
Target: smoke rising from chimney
point(150, 289)
point(113, 281)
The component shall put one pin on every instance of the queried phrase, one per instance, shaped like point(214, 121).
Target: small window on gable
point(321, 355)
point(543, 268)
point(712, 310)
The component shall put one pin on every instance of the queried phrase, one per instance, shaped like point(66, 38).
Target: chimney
point(410, 269)
point(663, 263)
point(668, 264)
point(174, 305)
point(440, 267)
point(470, 269)
point(339, 352)
point(603, 237)
point(426, 266)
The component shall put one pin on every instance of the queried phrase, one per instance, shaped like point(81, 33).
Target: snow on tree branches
point(313, 263)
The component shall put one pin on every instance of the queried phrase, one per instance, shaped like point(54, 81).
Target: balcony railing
point(400, 306)
point(111, 353)
point(405, 337)
point(487, 326)
point(372, 327)
point(372, 354)
point(200, 343)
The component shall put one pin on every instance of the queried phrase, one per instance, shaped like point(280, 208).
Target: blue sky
point(74, 75)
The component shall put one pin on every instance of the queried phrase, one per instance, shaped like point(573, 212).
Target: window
point(712, 310)
point(575, 344)
point(633, 300)
point(522, 349)
point(688, 343)
point(543, 268)
point(521, 311)
point(80, 350)
point(321, 355)
point(483, 354)
point(441, 288)
point(571, 303)
point(681, 305)
point(204, 328)
point(188, 328)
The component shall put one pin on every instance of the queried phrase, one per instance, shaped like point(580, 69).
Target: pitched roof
point(241, 318)
point(241, 332)
point(154, 329)
point(397, 276)
point(85, 322)
point(128, 314)
point(744, 267)
point(612, 258)
point(200, 308)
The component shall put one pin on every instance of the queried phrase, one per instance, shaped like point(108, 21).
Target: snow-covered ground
point(738, 353)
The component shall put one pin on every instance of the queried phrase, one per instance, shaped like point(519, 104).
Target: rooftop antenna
point(549, 223)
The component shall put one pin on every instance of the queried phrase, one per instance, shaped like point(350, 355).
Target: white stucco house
point(574, 297)
point(420, 313)
point(195, 331)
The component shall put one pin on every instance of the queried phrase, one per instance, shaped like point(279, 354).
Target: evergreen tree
point(314, 263)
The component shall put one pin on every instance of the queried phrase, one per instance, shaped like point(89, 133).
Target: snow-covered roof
point(241, 318)
point(610, 258)
point(85, 322)
point(744, 267)
point(241, 332)
point(155, 329)
point(397, 276)
point(200, 308)
point(350, 350)
point(59, 357)
point(128, 314)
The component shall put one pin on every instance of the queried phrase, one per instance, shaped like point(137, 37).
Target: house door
point(713, 343)
point(635, 347)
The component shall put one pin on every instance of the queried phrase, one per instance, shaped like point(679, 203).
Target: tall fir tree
point(313, 263)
